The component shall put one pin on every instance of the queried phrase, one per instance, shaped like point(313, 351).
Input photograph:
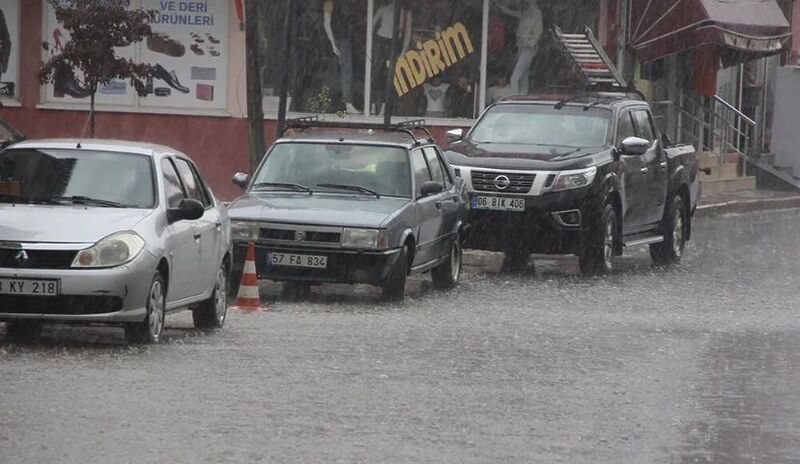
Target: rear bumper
point(345, 267)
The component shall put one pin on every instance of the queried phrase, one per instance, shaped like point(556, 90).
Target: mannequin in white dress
point(529, 32)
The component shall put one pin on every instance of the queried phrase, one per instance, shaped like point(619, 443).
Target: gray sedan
point(108, 232)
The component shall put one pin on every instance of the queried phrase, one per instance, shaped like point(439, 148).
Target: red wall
point(218, 145)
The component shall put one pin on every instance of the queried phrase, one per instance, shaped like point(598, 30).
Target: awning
point(749, 27)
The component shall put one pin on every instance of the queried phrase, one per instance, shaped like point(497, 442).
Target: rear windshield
point(568, 127)
point(31, 176)
point(384, 170)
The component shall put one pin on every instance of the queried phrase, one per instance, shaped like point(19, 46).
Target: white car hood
point(64, 224)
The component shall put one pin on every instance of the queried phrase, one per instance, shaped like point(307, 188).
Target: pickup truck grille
point(483, 181)
point(37, 259)
point(300, 236)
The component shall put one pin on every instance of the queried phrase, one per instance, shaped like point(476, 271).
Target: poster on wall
point(68, 88)
point(190, 53)
point(9, 49)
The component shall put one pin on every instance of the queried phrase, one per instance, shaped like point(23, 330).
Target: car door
point(209, 226)
point(429, 216)
point(635, 174)
point(448, 199)
point(183, 241)
point(654, 162)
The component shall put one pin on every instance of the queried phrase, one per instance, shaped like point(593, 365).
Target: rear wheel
point(211, 314)
point(670, 251)
point(447, 274)
point(24, 331)
point(600, 256)
point(149, 330)
point(394, 287)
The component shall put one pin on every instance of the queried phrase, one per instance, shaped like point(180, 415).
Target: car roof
point(116, 146)
point(365, 136)
point(596, 99)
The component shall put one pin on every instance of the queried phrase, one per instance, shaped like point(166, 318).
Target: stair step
point(728, 171)
point(713, 187)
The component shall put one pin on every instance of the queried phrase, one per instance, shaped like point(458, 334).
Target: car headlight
point(243, 230)
point(114, 250)
point(364, 238)
point(568, 180)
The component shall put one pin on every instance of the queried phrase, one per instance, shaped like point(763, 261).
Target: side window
point(448, 180)
point(437, 175)
point(644, 125)
point(194, 189)
point(625, 127)
point(421, 173)
point(173, 189)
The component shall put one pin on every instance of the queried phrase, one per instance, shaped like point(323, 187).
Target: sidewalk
point(752, 200)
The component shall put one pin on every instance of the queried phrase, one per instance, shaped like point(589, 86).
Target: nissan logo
point(502, 182)
point(21, 258)
point(299, 236)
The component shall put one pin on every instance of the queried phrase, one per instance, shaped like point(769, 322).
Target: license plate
point(498, 203)
point(292, 260)
point(29, 287)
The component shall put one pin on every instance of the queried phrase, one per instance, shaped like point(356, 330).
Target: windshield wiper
point(15, 199)
point(352, 188)
point(285, 185)
point(84, 200)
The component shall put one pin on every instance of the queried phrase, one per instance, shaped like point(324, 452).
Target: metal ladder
point(588, 60)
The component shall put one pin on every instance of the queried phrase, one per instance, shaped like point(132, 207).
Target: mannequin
point(340, 30)
point(436, 92)
point(529, 31)
point(383, 22)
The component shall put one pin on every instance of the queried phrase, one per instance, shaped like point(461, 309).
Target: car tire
point(24, 331)
point(446, 275)
point(211, 314)
point(149, 331)
point(600, 256)
point(394, 287)
point(670, 251)
point(234, 282)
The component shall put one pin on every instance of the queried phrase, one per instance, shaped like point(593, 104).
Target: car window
point(173, 189)
point(625, 127)
point(643, 125)
point(437, 174)
point(448, 180)
point(421, 172)
point(194, 189)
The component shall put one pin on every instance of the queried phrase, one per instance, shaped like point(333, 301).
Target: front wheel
point(149, 331)
point(394, 287)
point(447, 274)
point(670, 251)
point(600, 255)
point(211, 314)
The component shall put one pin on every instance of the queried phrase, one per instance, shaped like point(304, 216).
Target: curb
point(743, 206)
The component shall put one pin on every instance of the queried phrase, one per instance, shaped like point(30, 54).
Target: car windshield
point(568, 127)
point(357, 169)
point(66, 176)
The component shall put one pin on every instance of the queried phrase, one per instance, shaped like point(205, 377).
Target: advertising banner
point(9, 49)
point(189, 50)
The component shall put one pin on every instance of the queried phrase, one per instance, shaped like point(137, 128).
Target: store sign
point(189, 50)
point(9, 49)
point(432, 58)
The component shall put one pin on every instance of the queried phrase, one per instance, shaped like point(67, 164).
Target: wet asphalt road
point(700, 363)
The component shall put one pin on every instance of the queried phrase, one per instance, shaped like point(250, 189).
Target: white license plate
point(29, 287)
point(292, 260)
point(498, 203)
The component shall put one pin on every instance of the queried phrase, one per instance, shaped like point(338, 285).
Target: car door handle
point(197, 235)
point(644, 170)
point(439, 205)
point(663, 165)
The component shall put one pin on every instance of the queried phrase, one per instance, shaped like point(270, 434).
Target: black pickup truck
point(585, 174)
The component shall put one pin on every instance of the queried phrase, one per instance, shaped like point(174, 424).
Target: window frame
point(171, 163)
point(418, 187)
point(207, 204)
point(626, 112)
point(637, 128)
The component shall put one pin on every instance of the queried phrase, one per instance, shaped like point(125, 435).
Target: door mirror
point(189, 210)
point(634, 146)
point(455, 135)
point(431, 188)
point(241, 180)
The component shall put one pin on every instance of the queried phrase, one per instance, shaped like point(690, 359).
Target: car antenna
point(83, 132)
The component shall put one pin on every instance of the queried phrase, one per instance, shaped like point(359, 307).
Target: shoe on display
point(163, 43)
point(197, 50)
point(213, 52)
point(197, 37)
point(65, 84)
point(213, 39)
point(159, 72)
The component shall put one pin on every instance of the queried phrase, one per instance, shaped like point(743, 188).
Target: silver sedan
point(110, 232)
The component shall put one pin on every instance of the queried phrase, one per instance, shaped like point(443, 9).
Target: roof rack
point(405, 127)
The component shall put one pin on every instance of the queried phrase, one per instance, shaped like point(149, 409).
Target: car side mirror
point(455, 135)
point(241, 180)
point(431, 188)
point(189, 210)
point(634, 146)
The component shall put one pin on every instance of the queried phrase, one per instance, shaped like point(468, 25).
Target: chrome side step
point(645, 241)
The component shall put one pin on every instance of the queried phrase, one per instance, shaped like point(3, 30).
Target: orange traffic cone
point(249, 297)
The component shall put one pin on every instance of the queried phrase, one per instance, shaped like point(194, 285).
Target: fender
point(407, 233)
point(677, 178)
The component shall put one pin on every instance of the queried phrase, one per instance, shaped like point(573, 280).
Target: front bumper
point(538, 228)
point(112, 296)
point(344, 266)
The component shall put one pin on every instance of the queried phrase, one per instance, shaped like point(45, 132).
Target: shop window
point(9, 50)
